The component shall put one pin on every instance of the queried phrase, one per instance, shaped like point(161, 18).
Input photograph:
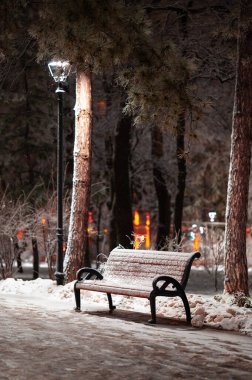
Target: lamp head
point(59, 70)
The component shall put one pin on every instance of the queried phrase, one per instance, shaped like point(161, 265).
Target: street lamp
point(60, 70)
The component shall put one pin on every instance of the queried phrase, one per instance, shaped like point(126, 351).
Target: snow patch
point(217, 312)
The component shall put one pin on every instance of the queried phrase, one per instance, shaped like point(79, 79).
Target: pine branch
point(181, 11)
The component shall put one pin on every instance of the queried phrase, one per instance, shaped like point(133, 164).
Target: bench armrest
point(161, 290)
point(90, 273)
point(166, 281)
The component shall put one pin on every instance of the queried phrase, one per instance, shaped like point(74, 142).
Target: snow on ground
point(213, 311)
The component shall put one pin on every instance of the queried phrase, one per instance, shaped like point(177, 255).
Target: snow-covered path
point(53, 342)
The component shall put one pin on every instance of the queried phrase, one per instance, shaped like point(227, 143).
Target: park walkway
point(57, 343)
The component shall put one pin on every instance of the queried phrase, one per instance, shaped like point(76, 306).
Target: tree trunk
point(181, 160)
point(112, 219)
point(111, 181)
point(35, 253)
point(163, 196)
point(77, 237)
point(27, 155)
point(122, 196)
point(108, 85)
point(179, 201)
point(236, 271)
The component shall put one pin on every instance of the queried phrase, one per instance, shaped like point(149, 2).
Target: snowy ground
point(207, 310)
point(41, 337)
point(44, 339)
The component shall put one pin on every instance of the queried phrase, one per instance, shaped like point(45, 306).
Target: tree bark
point(109, 173)
point(28, 156)
point(236, 271)
point(180, 140)
point(77, 237)
point(122, 196)
point(181, 161)
point(163, 196)
point(112, 219)
point(35, 253)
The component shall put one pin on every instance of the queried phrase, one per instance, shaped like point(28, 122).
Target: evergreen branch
point(16, 60)
point(181, 11)
point(227, 79)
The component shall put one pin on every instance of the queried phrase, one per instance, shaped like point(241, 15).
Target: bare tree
point(15, 215)
point(7, 256)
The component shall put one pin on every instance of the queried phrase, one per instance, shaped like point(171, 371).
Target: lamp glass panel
point(59, 70)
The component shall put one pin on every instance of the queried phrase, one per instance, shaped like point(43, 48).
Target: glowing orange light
point(147, 230)
point(196, 242)
point(102, 105)
point(136, 244)
point(248, 230)
point(136, 218)
point(90, 217)
point(105, 231)
point(147, 237)
point(43, 221)
point(20, 234)
point(147, 242)
point(147, 218)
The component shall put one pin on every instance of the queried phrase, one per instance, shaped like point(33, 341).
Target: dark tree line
point(162, 64)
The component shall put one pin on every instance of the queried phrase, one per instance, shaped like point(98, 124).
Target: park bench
point(139, 273)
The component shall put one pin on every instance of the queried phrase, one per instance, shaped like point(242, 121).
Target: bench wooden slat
point(124, 263)
point(142, 291)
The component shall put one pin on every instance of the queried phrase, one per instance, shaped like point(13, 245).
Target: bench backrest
point(140, 266)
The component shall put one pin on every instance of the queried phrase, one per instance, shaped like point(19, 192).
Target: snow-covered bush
point(212, 250)
point(16, 215)
point(8, 254)
point(45, 225)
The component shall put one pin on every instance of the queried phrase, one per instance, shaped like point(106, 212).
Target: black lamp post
point(60, 71)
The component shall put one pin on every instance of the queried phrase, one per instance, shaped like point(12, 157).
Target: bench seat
point(142, 291)
point(139, 273)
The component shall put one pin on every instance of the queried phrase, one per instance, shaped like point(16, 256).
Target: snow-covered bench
point(139, 273)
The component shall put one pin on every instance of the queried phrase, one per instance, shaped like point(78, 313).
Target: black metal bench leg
point(187, 307)
point(153, 309)
point(77, 298)
point(111, 306)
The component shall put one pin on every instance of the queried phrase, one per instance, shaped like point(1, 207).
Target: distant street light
point(212, 216)
point(60, 72)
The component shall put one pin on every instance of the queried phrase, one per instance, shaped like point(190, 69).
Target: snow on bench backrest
point(140, 266)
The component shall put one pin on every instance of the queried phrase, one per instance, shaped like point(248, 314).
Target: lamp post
point(60, 71)
point(212, 216)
